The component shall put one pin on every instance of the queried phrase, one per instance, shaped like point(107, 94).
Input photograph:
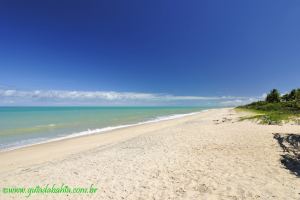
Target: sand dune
point(210, 155)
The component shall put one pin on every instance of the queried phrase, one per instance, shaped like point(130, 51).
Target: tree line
point(274, 96)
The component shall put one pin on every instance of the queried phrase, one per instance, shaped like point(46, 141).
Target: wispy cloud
point(107, 97)
point(80, 95)
point(236, 101)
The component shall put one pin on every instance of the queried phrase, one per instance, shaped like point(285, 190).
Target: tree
point(292, 95)
point(273, 96)
point(297, 95)
point(285, 98)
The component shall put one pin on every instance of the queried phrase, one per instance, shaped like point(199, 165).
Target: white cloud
point(264, 95)
point(60, 94)
point(106, 96)
point(240, 101)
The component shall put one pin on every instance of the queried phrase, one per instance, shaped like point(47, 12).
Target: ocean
point(25, 126)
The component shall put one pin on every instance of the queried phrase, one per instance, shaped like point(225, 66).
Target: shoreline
point(12, 159)
point(105, 130)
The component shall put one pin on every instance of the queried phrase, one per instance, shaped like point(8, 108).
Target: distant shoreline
point(104, 130)
point(26, 126)
point(59, 143)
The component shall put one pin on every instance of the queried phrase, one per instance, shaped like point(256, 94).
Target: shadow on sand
point(290, 144)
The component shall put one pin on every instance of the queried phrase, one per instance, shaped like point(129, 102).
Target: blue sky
point(212, 48)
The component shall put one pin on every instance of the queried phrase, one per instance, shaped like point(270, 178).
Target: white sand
point(188, 158)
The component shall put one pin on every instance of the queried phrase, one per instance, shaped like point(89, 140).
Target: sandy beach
point(210, 155)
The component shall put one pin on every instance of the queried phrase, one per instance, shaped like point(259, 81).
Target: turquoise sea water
point(21, 126)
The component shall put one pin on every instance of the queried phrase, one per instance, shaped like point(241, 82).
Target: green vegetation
point(276, 108)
